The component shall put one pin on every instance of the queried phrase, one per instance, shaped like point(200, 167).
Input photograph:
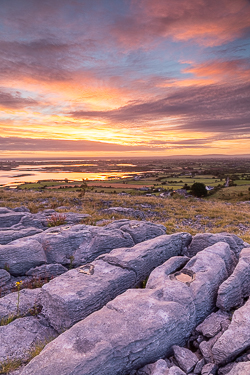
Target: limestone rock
point(28, 300)
point(203, 240)
point(139, 230)
point(7, 219)
point(236, 339)
point(185, 358)
point(139, 326)
point(74, 295)
point(150, 253)
point(21, 255)
point(242, 368)
point(214, 323)
point(4, 277)
point(206, 347)
point(104, 240)
point(174, 370)
point(160, 273)
point(158, 368)
point(237, 287)
point(199, 365)
point(7, 236)
point(209, 369)
point(134, 329)
point(47, 271)
point(20, 337)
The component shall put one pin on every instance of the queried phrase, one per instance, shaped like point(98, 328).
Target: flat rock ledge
point(136, 301)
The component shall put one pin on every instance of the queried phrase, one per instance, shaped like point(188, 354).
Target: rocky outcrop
point(12, 305)
point(181, 323)
point(237, 287)
point(6, 236)
point(202, 240)
point(79, 292)
point(21, 255)
point(236, 339)
point(28, 334)
point(139, 326)
point(68, 245)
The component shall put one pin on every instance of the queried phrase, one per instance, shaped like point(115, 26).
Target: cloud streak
point(109, 76)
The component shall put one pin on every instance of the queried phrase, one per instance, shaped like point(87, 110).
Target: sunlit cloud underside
point(127, 78)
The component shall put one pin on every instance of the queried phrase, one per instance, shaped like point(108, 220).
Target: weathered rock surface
point(139, 326)
point(28, 300)
point(7, 236)
point(236, 339)
point(9, 218)
point(185, 358)
point(74, 295)
point(214, 323)
point(202, 240)
point(146, 256)
point(47, 271)
point(174, 370)
point(4, 277)
point(159, 274)
point(139, 230)
point(28, 333)
point(21, 255)
point(242, 368)
point(237, 287)
point(158, 368)
point(209, 369)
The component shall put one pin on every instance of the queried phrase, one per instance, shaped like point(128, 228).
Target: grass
point(177, 214)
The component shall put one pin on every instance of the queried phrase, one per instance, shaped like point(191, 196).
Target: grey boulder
point(236, 288)
point(28, 303)
point(139, 326)
point(185, 358)
point(242, 368)
point(47, 271)
point(7, 236)
point(203, 240)
point(159, 274)
point(20, 337)
point(158, 368)
point(236, 339)
point(8, 219)
point(21, 255)
point(139, 230)
point(4, 277)
point(74, 295)
point(214, 323)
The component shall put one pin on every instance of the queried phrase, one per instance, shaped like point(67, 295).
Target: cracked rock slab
point(21, 255)
point(214, 323)
point(139, 326)
point(185, 358)
point(242, 368)
point(236, 339)
point(28, 300)
point(202, 240)
point(237, 287)
point(20, 337)
point(74, 295)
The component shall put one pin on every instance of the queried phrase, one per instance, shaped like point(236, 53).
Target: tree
point(198, 189)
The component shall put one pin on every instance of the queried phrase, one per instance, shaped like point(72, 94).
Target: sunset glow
point(124, 78)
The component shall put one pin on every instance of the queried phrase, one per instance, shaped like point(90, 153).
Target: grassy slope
point(177, 214)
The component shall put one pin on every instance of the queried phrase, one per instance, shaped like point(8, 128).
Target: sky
point(103, 78)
